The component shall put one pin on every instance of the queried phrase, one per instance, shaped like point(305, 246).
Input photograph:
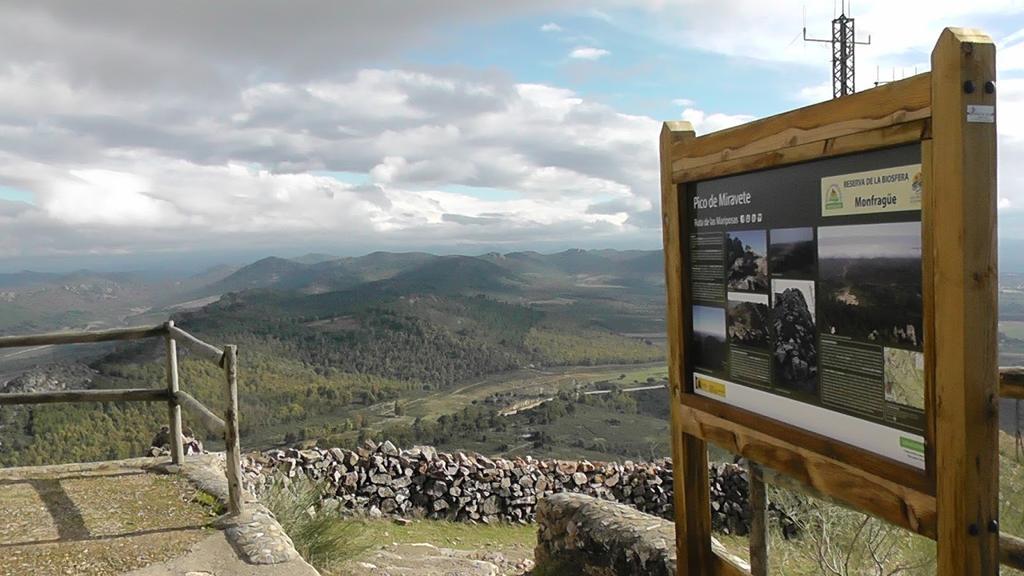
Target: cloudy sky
point(151, 131)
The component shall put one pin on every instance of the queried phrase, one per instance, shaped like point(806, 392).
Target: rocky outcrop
point(51, 378)
point(581, 535)
point(795, 342)
point(421, 482)
point(578, 534)
point(748, 270)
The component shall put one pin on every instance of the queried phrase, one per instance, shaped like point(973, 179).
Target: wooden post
point(689, 453)
point(232, 448)
point(962, 200)
point(173, 409)
point(758, 500)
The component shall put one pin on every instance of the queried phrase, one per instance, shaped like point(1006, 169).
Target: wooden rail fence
point(1011, 548)
point(226, 358)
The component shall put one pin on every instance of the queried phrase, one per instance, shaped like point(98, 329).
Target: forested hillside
point(342, 363)
point(419, 347)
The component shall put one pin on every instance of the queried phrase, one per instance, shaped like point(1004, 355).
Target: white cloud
point(765, 30)
point(704, 123)
point(131, 139)
point(1010, 125)
point(96, 196)
point(588, 53)
point(550, 27)
point(235, 174)
point(814, 93)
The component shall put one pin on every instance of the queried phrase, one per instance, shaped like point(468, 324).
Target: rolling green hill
point(321, 362)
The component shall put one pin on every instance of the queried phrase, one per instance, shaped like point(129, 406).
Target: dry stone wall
point(422, 482)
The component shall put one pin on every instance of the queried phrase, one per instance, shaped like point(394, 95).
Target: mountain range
point(34, 301)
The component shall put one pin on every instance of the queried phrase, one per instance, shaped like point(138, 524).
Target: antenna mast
point(843, 43)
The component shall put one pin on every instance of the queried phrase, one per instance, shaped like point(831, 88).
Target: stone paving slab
point(91, 520)
point(423, 560)
point(215, 556)
point(131, 517)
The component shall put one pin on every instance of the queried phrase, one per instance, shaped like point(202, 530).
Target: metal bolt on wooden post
point(173, 408)
point(232, 448)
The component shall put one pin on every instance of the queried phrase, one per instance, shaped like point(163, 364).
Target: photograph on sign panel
point(748, 319)
point(904, 377)
point(794, 336)
point(870, 282)
point(709, 338)
point(792, 253)
point(747, 260)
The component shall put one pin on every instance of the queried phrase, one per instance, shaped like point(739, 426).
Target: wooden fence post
point(173, 409)
point(758, 520)
point(962, 200)
point(232, 448)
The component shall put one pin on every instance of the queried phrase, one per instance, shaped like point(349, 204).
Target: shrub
point(322, 536)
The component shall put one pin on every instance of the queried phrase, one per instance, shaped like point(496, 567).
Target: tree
point(842, 542)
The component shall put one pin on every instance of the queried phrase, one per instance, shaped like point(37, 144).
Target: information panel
point(805, 285)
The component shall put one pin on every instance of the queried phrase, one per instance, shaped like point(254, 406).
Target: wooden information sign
point(831, 276)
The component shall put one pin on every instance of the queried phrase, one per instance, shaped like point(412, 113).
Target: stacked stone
point(730, 505)
point(421, 482)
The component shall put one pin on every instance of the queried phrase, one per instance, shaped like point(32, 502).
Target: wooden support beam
point(1011, 382)
point(758, 500)
point(882, 137)
point(208, 418)
point(82, 337)
point(689, 453)
point(1011, 551)
point(860, 490)
point(726, 564)
point(173, 409)
point(79, 396)
point(197, 346)
point(894, 103)
point(232, 448)
point(1011, 548)
point(962, 202)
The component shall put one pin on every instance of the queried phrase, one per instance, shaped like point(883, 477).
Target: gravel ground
point(100, 522)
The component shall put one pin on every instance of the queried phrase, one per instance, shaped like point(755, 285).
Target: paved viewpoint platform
point(123, 517)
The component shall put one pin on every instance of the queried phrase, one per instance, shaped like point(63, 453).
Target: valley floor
point(643, 435)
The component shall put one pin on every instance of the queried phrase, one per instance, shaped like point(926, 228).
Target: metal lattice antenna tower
point(843, 43)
